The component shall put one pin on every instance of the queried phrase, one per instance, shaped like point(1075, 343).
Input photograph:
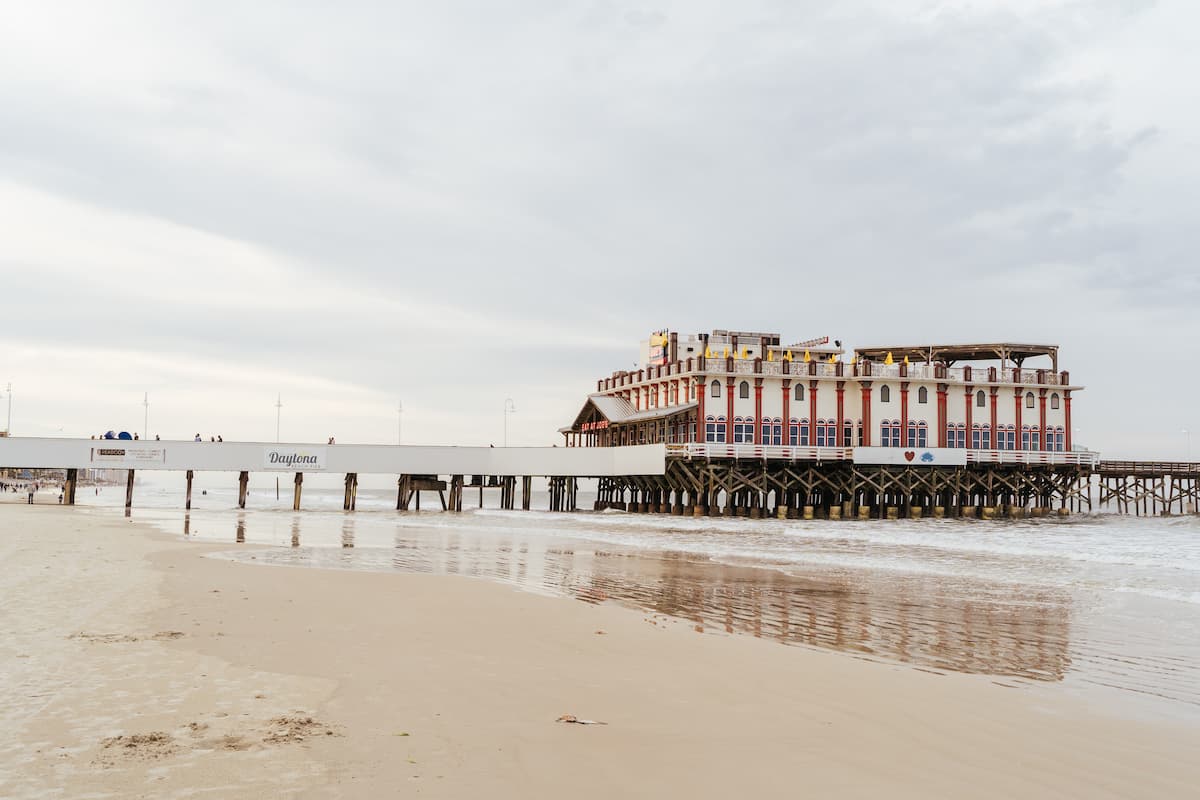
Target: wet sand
point(134, 666)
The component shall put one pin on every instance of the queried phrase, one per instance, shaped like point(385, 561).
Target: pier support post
point(402, 493)
point(187, 502)
point(299, 481)
point(526, 491)
point(69, 487)
point(351, 495)
point(243, 480)
point(128, 491)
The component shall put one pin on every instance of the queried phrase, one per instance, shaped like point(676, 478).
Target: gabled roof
point(618, 411)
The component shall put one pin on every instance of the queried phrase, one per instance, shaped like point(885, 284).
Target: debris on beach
point(577, 721)
point(601, 633)
point(295, 728)
point(136, 747)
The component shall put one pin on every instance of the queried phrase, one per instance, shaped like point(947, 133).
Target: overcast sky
point(448, 204)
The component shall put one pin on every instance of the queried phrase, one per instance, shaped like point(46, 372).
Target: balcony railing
point(762, 452)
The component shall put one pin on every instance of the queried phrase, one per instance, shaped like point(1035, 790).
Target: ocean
point(1104, 605)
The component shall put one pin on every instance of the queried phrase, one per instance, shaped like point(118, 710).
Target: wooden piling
point(299, 482)
point(187, 503)
point(350, 497)
point(243, 481)
point(69, 487)
point(128, 491)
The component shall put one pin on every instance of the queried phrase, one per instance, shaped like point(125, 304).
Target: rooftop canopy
point(951, 353)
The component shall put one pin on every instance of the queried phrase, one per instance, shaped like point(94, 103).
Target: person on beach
point(197, 439)
point(30, 501)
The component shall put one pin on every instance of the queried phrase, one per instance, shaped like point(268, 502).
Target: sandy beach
point(134, 666)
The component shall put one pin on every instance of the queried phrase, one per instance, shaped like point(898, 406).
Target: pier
point(418, 469)
point(687, 479)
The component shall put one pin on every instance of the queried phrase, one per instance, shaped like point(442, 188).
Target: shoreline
point(475, 673)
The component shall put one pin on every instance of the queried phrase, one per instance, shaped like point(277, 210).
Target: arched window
point(743, 430)
point(1054, 400)
point(885, 394)
point(956, 434)
point(847, 433)
point(744, 390)
point(772, 431)
point(799, 393)
point(827, 433)
point(889, 433)
point(1029, 399)
point(922, 395)
point(981, 437)
point(1031, 437)
point(980, 399)
point(715, 389)
point(714, 429)
point(1059, 441)
point(918, 433)
point(1010, 437)
point(798, 432)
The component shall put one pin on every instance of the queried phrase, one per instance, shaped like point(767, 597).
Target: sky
point(348, 207)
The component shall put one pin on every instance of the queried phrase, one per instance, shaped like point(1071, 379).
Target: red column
point(866, 413)
point(841, 414)
point(941, 414)
point(729, 415)
point(812, 413)
point(970, 398)
point(995, 417)
point(904, 414)
point(1018, 397)
point(1042, 417)
point(787, 430)
point(1067, 414)
point(758, 411)
point(700, 392)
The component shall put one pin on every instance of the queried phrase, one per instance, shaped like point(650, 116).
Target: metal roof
point(618, 411)
point(951, 353)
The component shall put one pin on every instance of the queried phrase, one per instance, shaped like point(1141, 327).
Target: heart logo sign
point(909, 455)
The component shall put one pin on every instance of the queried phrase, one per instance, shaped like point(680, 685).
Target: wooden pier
point(692, 479)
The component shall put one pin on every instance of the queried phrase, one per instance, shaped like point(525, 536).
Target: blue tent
point(124, 435)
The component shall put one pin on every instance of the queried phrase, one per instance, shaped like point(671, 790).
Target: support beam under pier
point(299, 481)
point(128, 492)
point(243, 484)
point(187, 502)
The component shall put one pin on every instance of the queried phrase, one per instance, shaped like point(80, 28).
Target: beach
point(136, 666)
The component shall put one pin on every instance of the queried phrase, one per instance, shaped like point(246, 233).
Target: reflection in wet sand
point(923, 620)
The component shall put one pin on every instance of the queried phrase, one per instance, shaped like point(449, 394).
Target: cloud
point(469, 201)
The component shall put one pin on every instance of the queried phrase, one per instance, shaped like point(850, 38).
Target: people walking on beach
point(331, 440)
point(30, 501)
point(197, 439)
point(219, 439)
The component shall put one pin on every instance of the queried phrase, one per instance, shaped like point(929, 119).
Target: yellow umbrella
point(807, 357)
point(708, 352)
point(770, 355)
point(833, 358)
point(725, 353)
point(906, 361)
point(745, 354)
point(889, 359)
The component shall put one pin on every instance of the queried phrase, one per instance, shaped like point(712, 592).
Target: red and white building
point(739, 393)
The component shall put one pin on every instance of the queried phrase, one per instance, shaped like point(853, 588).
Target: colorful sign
point(916, 456)
point(294, 459)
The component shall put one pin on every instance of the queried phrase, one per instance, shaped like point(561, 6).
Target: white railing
point(759, 451)
point(1083, 458)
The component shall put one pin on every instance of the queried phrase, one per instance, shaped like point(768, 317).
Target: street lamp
point(509, 408)
point(400, 422)
point(278, 411)
point(146, 416)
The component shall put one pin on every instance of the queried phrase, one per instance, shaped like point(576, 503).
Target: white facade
point(950, 400)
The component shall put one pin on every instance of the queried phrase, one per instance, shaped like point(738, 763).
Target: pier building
point(755, 424)
point(716, 393)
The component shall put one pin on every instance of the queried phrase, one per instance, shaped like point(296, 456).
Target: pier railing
point(792, 453)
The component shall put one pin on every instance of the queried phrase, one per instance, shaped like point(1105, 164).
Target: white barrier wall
point(591, 462)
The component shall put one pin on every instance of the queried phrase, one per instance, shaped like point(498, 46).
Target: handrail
point(760, 452)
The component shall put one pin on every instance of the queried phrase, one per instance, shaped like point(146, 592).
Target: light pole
point(146, 416)
point(509, 408)
point(400, 422)
point(278, 411)
point(8, 424)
